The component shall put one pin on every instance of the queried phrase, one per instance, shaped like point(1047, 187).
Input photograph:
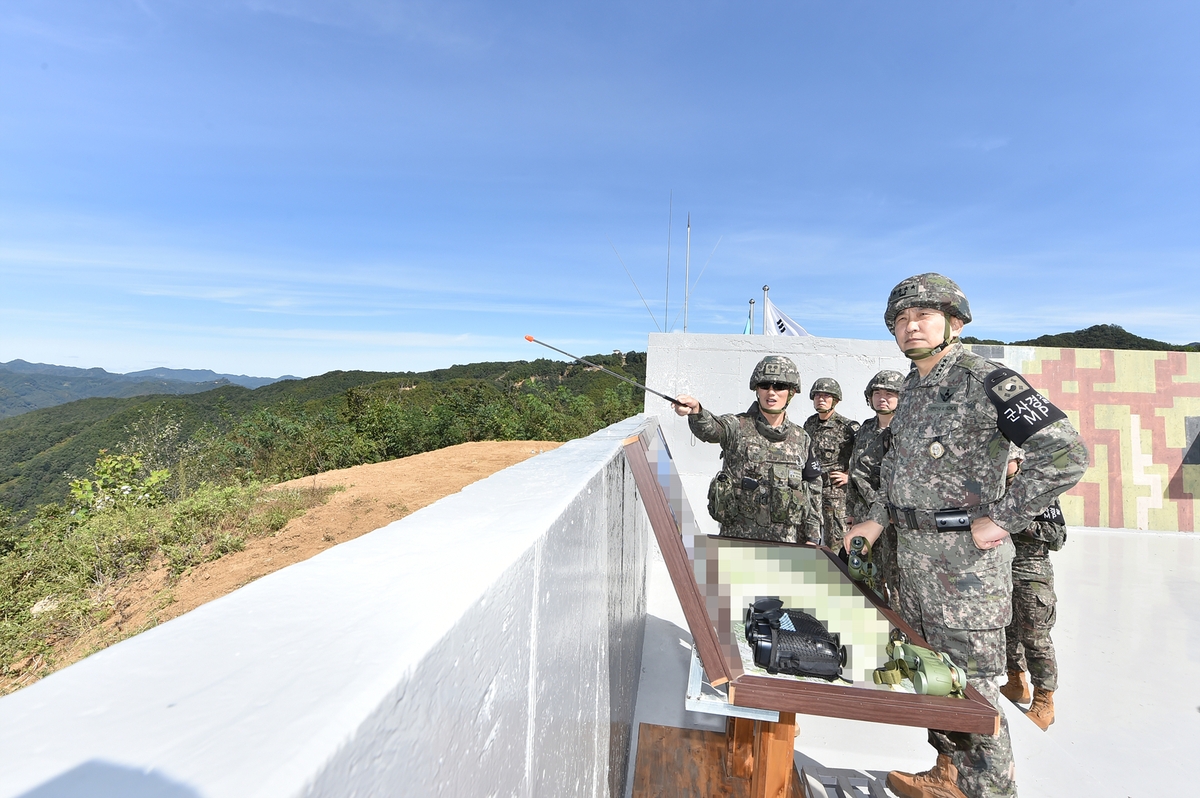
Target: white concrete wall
point(716, 370)
point(489, 644)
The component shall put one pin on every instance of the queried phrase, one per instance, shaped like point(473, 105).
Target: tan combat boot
point(1041, 711)
point(940, 782)
point(1017, 689)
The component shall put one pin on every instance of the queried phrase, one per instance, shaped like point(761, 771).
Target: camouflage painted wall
point(1139, 413)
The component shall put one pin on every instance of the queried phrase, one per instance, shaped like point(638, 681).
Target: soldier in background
point(942, 484)
point(833, 440)
point(1034, 610)
point(871, 443)
point(767, 488)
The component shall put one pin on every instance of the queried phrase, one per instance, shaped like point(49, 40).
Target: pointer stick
point(673, 401)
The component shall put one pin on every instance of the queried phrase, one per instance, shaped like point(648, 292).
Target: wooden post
point(774, 760)
point(739, 755)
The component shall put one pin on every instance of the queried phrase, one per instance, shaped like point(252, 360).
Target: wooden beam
point(774, 758)
point(739, 733)
point(679, 565)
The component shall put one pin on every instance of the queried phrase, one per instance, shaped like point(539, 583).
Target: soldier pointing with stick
point(767, 488)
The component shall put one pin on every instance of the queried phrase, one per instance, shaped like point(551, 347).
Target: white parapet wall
point(716, 370)
point(487, 645)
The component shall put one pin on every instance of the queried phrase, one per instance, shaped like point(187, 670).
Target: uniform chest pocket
point(755, 461)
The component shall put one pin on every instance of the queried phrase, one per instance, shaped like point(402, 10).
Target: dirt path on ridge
point(374, 495)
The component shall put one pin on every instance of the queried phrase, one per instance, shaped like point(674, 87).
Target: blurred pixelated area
point(734, 573)
point(1139, 414)
point(802, 578)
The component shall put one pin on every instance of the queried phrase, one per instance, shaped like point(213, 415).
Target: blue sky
point(294, 186)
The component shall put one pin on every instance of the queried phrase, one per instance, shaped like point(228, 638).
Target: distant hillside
point(207, 375)
point(37, 448)
point(1100, 336)
point(29, 386)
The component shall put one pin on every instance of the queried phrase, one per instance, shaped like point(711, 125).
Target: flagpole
point(687, 271)
point(750, 328)
point(766, 288)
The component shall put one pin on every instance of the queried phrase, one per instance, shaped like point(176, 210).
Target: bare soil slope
point(372, 496)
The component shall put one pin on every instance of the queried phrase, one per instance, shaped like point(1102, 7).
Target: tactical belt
point(935, 520)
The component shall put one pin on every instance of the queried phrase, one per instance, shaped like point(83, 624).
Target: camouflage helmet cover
point(775, 368)
point(886, 380)
point(929, 290)
point(825, 385)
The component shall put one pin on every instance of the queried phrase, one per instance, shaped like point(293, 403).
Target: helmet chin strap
point(884, 412)
point(922, 352)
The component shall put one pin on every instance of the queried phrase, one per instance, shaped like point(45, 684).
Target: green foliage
point(1099, 336)
point(298, 427)
point(118, 480)
point(54, 575)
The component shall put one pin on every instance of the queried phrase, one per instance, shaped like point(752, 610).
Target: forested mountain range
point(294, 427)
point(1099, 336)
point(29, 386)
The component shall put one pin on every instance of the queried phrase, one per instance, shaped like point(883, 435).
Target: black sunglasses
point(774, 386)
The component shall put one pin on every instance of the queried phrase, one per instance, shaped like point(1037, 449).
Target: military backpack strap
point(1020, 410)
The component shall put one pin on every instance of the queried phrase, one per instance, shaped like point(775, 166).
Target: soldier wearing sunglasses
point(769, 485)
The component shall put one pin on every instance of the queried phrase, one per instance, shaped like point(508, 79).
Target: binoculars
point(792, 641)
point(932, 672)
point(859, 563)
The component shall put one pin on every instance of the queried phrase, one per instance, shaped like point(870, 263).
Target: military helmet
point(775, 368)
point(825, 385)
point(886, 380)
point(927, 290)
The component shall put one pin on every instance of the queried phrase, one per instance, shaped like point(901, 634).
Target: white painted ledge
point(488, 644)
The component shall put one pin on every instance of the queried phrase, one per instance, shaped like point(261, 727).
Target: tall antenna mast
point(687, 272)
point(667, 299)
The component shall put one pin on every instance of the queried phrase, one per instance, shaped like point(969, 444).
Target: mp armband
point(1052, 515)
point(812, 469)
point(1020, 410)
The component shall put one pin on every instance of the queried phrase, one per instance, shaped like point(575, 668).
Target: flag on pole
point(748, 323)
point(778, 322)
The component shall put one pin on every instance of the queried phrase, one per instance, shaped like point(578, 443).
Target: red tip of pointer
point(529, 338)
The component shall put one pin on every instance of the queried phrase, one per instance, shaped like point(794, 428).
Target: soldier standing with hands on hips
point(833, 440)
point(942, 485)
point(765, 489)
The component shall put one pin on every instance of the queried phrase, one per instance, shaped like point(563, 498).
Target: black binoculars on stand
point(792, 641)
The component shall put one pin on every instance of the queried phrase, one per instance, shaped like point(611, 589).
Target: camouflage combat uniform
point(870, 445)
point(833, 441)
point(763, 490)
point(1034, 602)
point(948, 452)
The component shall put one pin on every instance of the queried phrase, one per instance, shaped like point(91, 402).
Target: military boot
point(1041, 711)
point(1017, 689)
point(940, 782)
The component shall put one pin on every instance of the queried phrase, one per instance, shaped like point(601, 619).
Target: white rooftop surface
point(1128, 705)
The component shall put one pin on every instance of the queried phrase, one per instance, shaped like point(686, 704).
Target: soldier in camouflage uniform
point(1027, 638)
point(767, 488)
point(942, 485)
point(871, 443)
point(833, 440)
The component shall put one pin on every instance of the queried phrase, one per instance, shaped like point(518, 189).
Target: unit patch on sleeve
point(1021, 411)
